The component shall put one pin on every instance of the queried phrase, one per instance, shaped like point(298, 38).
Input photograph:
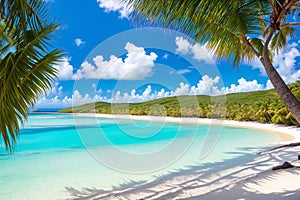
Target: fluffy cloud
point(79, 42)
point(244, 86)
point(56, 90)
point(65, 69)
point(208, 86)
point(136, 66)
point(183, 46)
point(183, 89)
point(199, 52)
point(285, 62)
point(115, 5)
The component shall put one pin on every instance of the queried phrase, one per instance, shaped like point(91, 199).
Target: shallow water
point(58, 151)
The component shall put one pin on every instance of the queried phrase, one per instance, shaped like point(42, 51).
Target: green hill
point(263, 106)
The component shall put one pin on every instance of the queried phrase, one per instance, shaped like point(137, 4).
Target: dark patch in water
point(41, 129)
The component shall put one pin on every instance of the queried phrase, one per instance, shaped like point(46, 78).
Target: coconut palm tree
point(263, 110)
point(237, 30)
point(26, 60)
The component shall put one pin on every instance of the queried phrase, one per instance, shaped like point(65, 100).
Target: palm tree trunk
point(288, 98)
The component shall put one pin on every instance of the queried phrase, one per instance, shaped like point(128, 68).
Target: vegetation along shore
point(261, 106)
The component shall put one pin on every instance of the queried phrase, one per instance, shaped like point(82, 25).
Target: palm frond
point(280, 38)
point(258, 44)
point(26, 72)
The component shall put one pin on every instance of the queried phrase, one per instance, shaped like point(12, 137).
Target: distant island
point(261, 106)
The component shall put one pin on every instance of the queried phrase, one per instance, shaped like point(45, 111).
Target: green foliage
point(280, 38)
point(258, 44)
point(261, 106)
point(26, 62)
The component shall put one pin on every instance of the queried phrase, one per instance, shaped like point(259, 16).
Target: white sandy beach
point(252, 179)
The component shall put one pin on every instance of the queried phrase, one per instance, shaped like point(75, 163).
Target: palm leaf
point(280, 38)
point(258, 44)
point(26, 72)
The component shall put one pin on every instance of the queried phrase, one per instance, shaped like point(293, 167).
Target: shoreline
point(251, 179)
point(287, 134)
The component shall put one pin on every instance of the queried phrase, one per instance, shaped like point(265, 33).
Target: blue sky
point(109, 59)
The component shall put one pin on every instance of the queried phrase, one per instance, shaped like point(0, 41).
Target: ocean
point(58, 154)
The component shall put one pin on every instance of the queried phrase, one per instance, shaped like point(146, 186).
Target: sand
point(251, 179)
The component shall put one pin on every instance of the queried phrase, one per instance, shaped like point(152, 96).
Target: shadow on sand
point(238, 178)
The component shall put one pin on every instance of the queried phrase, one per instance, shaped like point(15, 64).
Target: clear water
point(57, 151)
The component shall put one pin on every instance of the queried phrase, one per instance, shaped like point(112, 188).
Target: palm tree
point(26, 60)
point(237, 30)
point(263, 110)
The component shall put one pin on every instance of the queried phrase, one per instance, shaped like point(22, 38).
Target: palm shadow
point(213, 177)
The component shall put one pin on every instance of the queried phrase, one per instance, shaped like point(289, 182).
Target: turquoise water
point(57, 151)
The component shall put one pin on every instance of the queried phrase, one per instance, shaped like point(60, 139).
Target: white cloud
point(285, 62)
point(244, 86)
point(79, 42)
point(207, 86)
point(133, 96)
point(65, 69)
point(78, 99)
point(86, 71)
point(183, 46)
point(56, 90)
point(162, 93)
point(116, 5)
point(146, 92)
point(181, 71)
point(136, 66)
point(199, 52)
point(183, 89)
